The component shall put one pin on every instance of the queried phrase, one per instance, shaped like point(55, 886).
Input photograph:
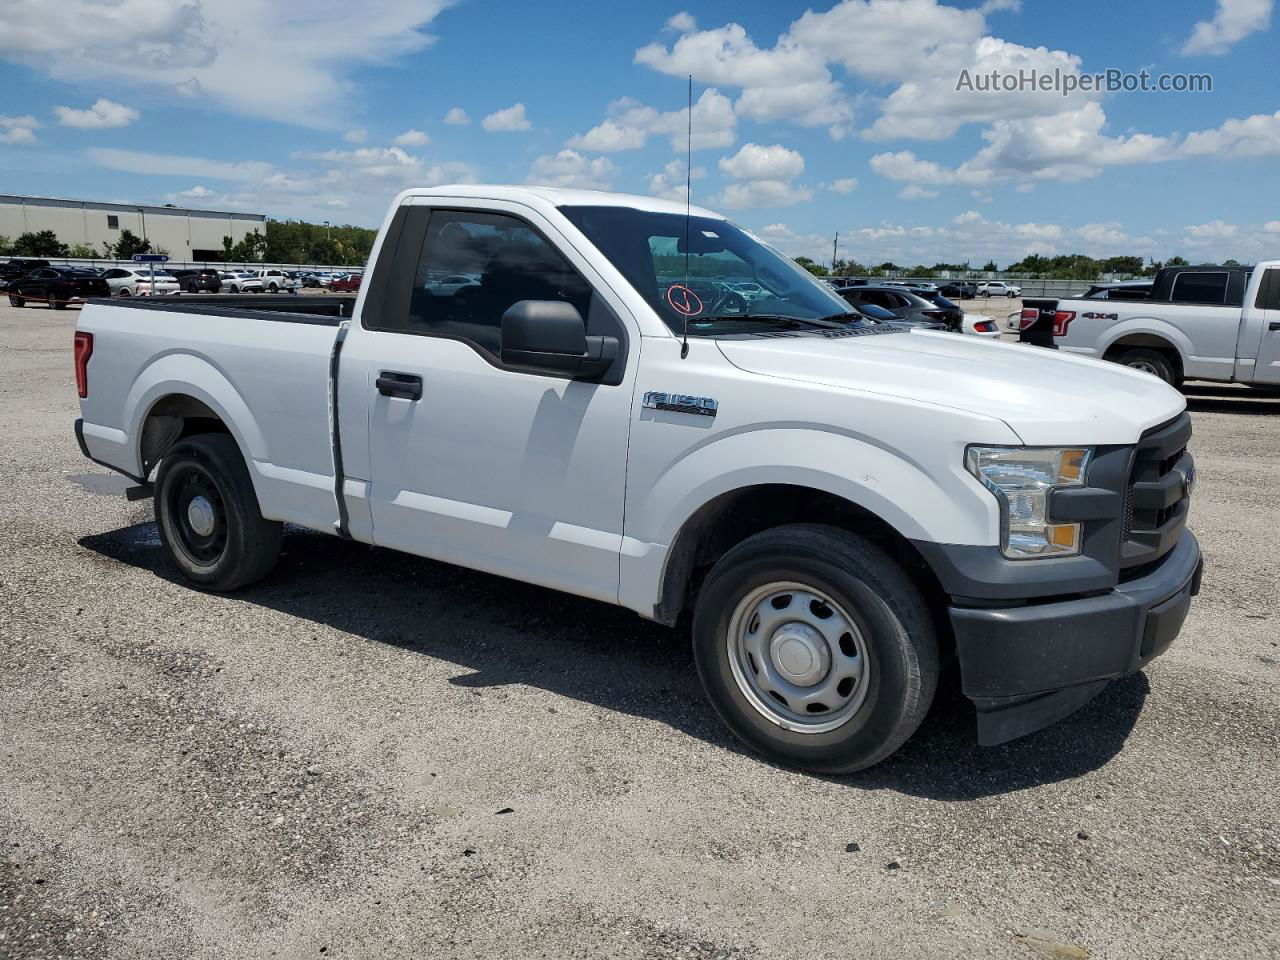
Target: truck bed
point(329, 310)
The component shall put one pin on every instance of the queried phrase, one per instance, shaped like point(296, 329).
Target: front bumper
point(1028, 666)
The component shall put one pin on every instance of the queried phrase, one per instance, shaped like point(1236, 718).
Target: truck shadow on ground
point(508, 632)
point(1212, 398)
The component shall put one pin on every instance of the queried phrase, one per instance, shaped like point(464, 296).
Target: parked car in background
point(136, 282)
point(346, 284)
point(1121, 290)
point(998, 288)
point(241, 281)
point(976, 325)
point(274, 281)
point(925, 285)
point(19, 267)
point(1199, 323)
point(205, 280)
point(905, 305)
point(56, 286)
point(959, 290)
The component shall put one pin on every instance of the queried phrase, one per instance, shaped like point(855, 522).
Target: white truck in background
point(1196, 323)
point(839, 506)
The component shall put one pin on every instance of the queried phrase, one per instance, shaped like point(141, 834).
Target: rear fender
point(188, 375)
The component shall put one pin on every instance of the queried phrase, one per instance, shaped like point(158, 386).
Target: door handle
point(1273, 326)
point(407, 386)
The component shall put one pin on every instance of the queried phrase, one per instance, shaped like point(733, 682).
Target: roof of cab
point(562, 197)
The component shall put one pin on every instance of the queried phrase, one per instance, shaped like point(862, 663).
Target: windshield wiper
point(824, 323)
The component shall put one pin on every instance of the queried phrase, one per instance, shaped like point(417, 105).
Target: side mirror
point(551, 335)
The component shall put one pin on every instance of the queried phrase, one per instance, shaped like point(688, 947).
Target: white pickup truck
point(841, 507)
point(1195, 323)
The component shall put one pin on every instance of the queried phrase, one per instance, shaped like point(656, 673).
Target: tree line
point(1065, 267)
point(285, 241)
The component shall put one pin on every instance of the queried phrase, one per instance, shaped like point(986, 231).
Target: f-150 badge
point(681, 403)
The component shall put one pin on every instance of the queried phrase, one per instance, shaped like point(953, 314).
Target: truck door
point(1267, 305)
point(472, 462)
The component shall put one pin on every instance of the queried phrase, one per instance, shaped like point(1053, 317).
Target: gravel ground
point(371, 755)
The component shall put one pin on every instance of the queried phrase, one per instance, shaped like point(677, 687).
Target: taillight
point(84, 350)
point(1029, 316)
point(1061, 320)
point(935, 314)
point(985, 326)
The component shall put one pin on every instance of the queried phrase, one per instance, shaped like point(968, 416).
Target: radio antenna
point(688, 201)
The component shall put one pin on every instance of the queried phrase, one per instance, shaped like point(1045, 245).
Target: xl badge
point(681, 403)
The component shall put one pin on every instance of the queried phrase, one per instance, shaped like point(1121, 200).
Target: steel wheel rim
point(198, 516)
point(1146, 366)
point(798, 657)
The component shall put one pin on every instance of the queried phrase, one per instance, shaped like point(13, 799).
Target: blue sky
point(809, 120)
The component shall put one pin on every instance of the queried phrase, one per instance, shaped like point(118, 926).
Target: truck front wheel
point(208, 515)
point(815, 648)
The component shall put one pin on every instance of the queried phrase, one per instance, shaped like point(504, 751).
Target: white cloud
point(169, 164)
point(755, 162)
point(356, 135)
point(1205, 233)
point(969, 216)
point(102, 115)
point(1255, 136)
point(629, 125)
point(682, 22)
point(1271, 226)
point(746, 194)
point(844, 185)
point(1068, 147)
point(457, 117)
point(411, 138)
point(787, 82)
point(1232, 22)
point(916, 192)
point(505, 120)
point(998, 6)
point(18, 131)
point(197, 192)
point(230, 51)
point(569, 168)
point(670, 182)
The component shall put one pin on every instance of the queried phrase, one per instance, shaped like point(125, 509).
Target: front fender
point(937, 502)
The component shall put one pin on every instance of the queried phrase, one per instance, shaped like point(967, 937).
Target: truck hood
point(1045, 396)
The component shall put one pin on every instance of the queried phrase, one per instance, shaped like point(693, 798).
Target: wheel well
point(171, 419)
point(1147, 341)
point(732, 517)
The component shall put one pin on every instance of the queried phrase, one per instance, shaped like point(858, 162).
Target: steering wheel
point(729, 302)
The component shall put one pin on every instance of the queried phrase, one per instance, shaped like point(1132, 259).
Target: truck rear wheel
point(1149, 361)
point(208, 516)
point(815, 648)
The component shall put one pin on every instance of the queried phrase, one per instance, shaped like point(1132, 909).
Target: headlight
point(1021, 478)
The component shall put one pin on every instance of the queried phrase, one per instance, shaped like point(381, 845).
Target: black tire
point(16, 301)
point(1150, 361)
point(123, 292)
point(57, 304)
point(895, 624)
point(241, 547)
point(193, 287)
point(273, 289)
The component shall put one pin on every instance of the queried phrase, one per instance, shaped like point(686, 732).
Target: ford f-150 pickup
point(839, 507)
point(1195, 323)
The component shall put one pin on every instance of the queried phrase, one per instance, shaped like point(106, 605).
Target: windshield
point(732, 278)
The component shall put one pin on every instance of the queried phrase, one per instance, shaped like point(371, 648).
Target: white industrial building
point(186, 235)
